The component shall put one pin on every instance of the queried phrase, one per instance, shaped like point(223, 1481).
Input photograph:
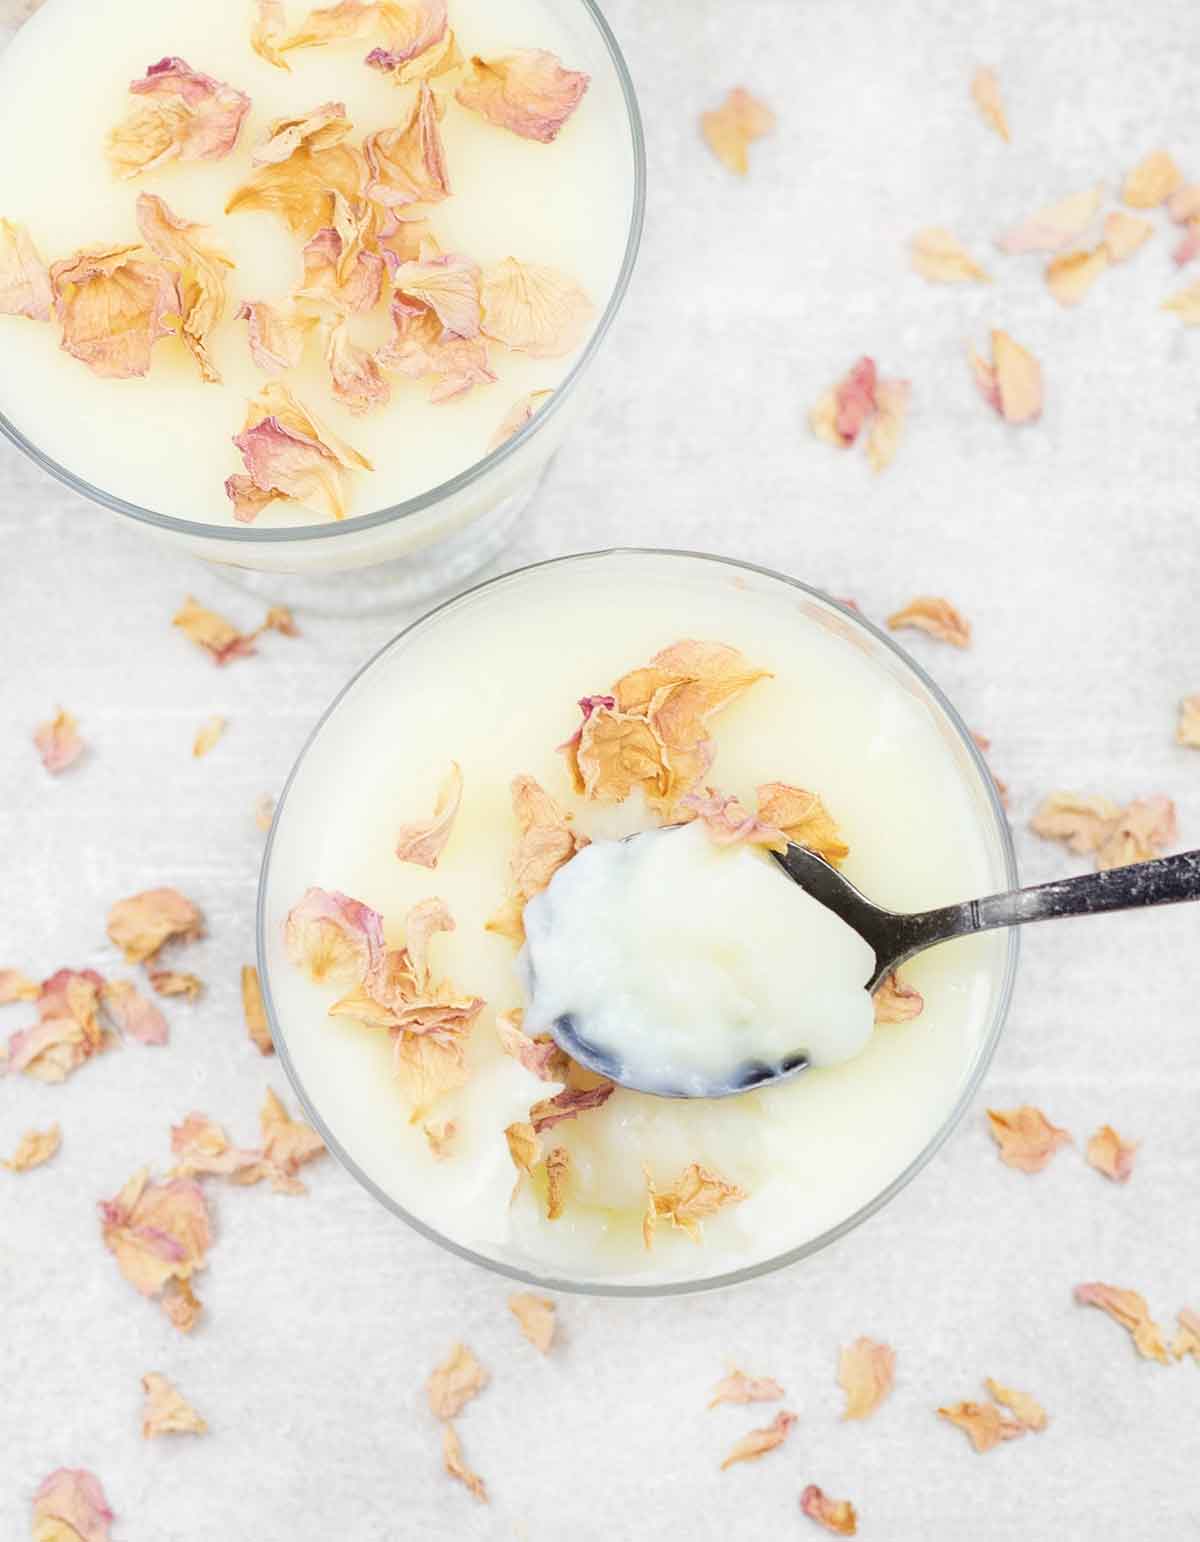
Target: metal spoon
point(895, 938)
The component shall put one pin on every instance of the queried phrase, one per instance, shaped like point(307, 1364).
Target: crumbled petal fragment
point(1152, 181)
point(113, 304)
point(207, 735)
point(866, 1371)
point(1070, 276)
point(983, 1424)
point(274, 334)
point(288, 1144)
point(892, 399)
point(202, 1149)
point(802, 818)
point(420, 43)
point(535, 1315)
point(255, 1012)
point(558, 1169)
point(545, 843)
point(839, 416)
point(69, 1506)
point(181, 1305)
point(569, 1104)
point(1140, 832)
point(1111, 1155)
point(516, 418)
point(732, 128)
point(1025, 1409)
point(289, 454)
point(24, 278)
point(985, 93)
point(1129, 1309)
point(1187, 1340)
point(158, 1232)
point(141, 924)
point(1189, 246)
point(267, 30)
point(730, 823)
point(68, 1030)
point(452, 1458)
point(836, 1515)
point(453, 1384)
point(34, 1148)
point(542, 1055)
point(1188, 730)
point(354, 373)
point(1012, 383)
point(695, 1196)
point(167, 1411)
point(132, 1014)
point(1055, 226)
point(58, 742)
point(440, 1137)
point(896, 1001)
point(448, 284)
point(931, 614)
point(201, 276)
point(333, 938)
point(212, 632)
point(14, 986)
point(264, 811)
point(1123, 234)
point(528, 92)
point(524, 1147)
point(1186, 305)
point(737, 1387)
point(176, 982)
point(940, 256)
point(407, 165)
point(1082, 822)
point(1026, 1138)
point(534, 309)
point(758, 1442)
point(188, 116)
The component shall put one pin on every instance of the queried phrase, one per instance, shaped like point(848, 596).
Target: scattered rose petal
point(289, 454)
point(320, 129)
point(1183, 204)
point(758, 1442)
point(67, 1032)
point(58, 742)
point(1070, 276)
point(207, 735)
point(1082, 823)
point(733, 127)
point(1189, 246)
point(132, 1014)
point(1111, 1155)
point(1186, 305)
point(267, 30)
point(1140, 832)
point(839, 416)
point(558, 1168)
point(452, 1457)
point(288, 1144)
point(354, 373)
point(407, 165)
point(983, 1424)
point(1187, 1340)
point(14, 986)
point(421, 347)
point(515, 420)
point(936, 616)
point(179, 1302)
point(1123, 234)
point(892, 398)
point(420, 42)
point(188, 116)
point(545, 842)
point(275, 336)
point(440, 1137)
point(1055, 226)
point(426, 1069)
point(301, 167)
point(941, 257)
point(332, 24)
point(1026, 1138)
point(113, 303)
point(1025, 1409)
point(255, 1012)
point(202, 1149)
point(985, 93)
point(212, 632)
point(1188, 730)
point(528, 92)
point(524, 1147)
point(448, 285)
point(158, 1232)
point(166, 1411)
point(1012, 384)
point(836, 1515)
point(34, 1148)
point(201, 276)
point(569, 1104)
point(264, 811)
point(343, 275)
point(866, 1371)
point(535, 1314)
point(542, 1055)
point(534, 309)
point(453, 1384)
point(24, 278)
point(803, 818)
point(1129, 1309)
point(1152, 181)
point(141, 924)
point(69, 1506)
point(896, 1001)
point(737, 1387)
point(173, 982)
point(695, 1196)
point(729, 823)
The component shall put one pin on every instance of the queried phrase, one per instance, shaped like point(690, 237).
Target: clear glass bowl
point(430, 543)
point(815, 607)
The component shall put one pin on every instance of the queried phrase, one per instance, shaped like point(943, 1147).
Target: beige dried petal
point(1152, 181)
point(426, 1069)
point(332, 24)
point(1111, 1155)
point(528, 92)
point(287, 1143)
point(207, 735)
point(440, 1137)
point(255, 1012)
point(1025, 1409)
point(558, 1168)
point(1082, 822)
point(1188, 729)
point(141, 924)
point(1186, 305)
point(264, 811)
point(758, 1442)
point(983, 1424)
point(1129, 1309)
point(534, 309)
point(158, 1232)
point(542, 1055)
point(267, 30)
point(892, 398)
point(24, 278)
point(836, 1515)
point(333, 938)
point(569, 1104)
point(734, 126)
point(524, 1147)
point(113, 304)
point(132, 1014)
point(201, 276)
point(931, 614)
point(202, 1149)
point(535, 1314)
point(1139, 833)
point(1123, 234)
point(517, 417)
point(420, 44)
point(14, 986)
point(803, 818)
point(288, 453)
point(1055, 226)
point(1012, 383)
point(453, 1384)
point(176, 982)
point(1187, 1340)
point(180, 1305)
point(181, 114)
point(217, 636)
point(941, 257)
point(423, 843)
point(1026, 1138)
point(34, 1148)
point(737, 1387)
point(69, 1506)
point(695, 1196)
point(896, 1001)
point(58, 742)
point(985, 93)
point(166, 1411)
point(866, 1371)
point(275, 335)
point(1070, 276)
point(840, 415)
point(407, 165)
point(546, 841)
point(302, 190)
point(452, 1458)
point(617, 753)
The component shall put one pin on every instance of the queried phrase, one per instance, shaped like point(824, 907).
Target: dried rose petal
point(276, 337)
point(983, 1424)
point(1186, 305)
point(1070, 276)
point(616, 753)
point(132, 1014)
point(14, 986)
point(288, 1144)
point(158, 1232)
point(695, 1196)
point(1188, 730)
point(452, 1459)
point(569, 1104)
point(69, 1506)
point(1152, 181)
point(173, 982)
point(427, 1069)
point(1187, 1341)
point(1123, 234)
point(524, 1147)
point(320, 129)
point(1025, 1409)
point(737, 1387)
point(34, 1148)
point(58, 742)
point(515, 420)
point(558, 1169)
point(166, 1411)
point(896, 1001)
point(534, 309)
point(1026, 1138)
point(941, 257)
point(449, 285)
point(24, 278)
point(1111, 1155)
point(113, 303)
point(440, 1137)
point(542, 1055)
point(1189, 246)
point(936, 616)
point(264, 811)
point(202, 1149)
point(528, 92)
point(1012, 384)
point(839, 416)
point(189, 117)
point(546, 841)
point(1055, 226)
point(354, 373)
point(207, 735)
point(408, 164)
point(985, 93)
point(289, 454)
point(1083, 823)
point(535, 1314)
point(453, 1384)
point(421, 348)
point(1140, 831)
point(68, 1030)
point(181, 1306)
point(255, 1012)
point(1129, 1309)
point(201, 275)
point(331, 24)
point(866, 1371)
point(207, 630)
point(342, 274)
point(729, 822)
point(733, 127)
point(141, 924)
point(758, 1442)
point(420, 44)
point(803, 818)
point(302, 166)
point(892, 398)
point(836, 1515)
point(333, 938)
point(267, 31)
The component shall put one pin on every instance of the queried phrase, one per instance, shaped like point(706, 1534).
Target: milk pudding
point(386, 230)
point(490, 761)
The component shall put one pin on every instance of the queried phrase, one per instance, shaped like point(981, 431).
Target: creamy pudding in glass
point(430, 322)
point(462, 745)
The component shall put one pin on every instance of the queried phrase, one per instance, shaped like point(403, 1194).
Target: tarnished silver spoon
point(895, 938)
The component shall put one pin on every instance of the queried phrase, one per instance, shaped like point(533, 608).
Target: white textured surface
point(1072, 547)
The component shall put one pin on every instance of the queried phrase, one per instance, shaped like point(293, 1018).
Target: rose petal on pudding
point(896, 1001)
point(534, 309)
point(558, 1169)
point(333, 938)
point(1012, 383)
point(892, 398)
point(983, 1424)
point(528, 92)
point(407, 165)
point(254, 1012)
point(535, 1316)
point(112, 304)
point(866, 1371)
point(342, 275)
point(421, 348)
point(275, 335)
point(58, 742)
point(34, 1148)
point(758, 1442)
point(737, 1387)
point(267, 30)
point(1082, 822)
point(617, 753)
point(729, 823)
point(541, 1056)
point(545, 842)
point(1026, 1138)
point(836, 1515)
point(455, 1465)
point(202, 1149)
point(1055, 226)
point(288, 1144)
point(24, 278)
point(1111, 1155)
point(1129, 1309)
point(839, 416)
point(426, 1069)
point(14, 986)
point(1070, 276)
point(449, 285)
point(524, 1147)
point(940, 256)
point(695, 1196)
point(518, 415)
point(400, 235)
point(300, 186)
point(1025, 1409)
point(1123, 234)
point(207, 735)
point(172, 982)
point(214, 633)
point(289, 454)
point(201, 275)
point(1152, 181)
point(332, 24)
point(440, 1137)
point(732, 128)
point(420, 43)
point(189, 116)
point(354, 374)
point(802, 818)
point(935, 616)
point(1187, 1341)
point(569, 1104)
point(985, 93)
point(69, 1506)
point(166, 1411)
point(1140, 832)
point(157, 1232)
point(453, 1384)
point(320, 129)
point(131, 1013)
point(141, 924)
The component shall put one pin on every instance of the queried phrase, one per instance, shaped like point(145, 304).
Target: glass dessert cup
point(422, 544)
point(303, 848)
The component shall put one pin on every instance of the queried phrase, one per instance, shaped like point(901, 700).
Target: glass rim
point(242, 535)
point(624, 1289)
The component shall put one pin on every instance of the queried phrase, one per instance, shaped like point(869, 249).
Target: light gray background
point(1071, 545)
